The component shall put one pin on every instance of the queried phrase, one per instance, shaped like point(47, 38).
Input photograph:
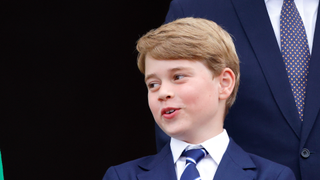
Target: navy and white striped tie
point(193, 157)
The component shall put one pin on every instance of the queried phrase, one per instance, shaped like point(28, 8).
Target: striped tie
point(193, 157)
point(295, 52)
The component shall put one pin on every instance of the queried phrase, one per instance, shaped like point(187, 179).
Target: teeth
point(169, 112)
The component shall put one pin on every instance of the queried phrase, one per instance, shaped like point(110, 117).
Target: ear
point(227, 82)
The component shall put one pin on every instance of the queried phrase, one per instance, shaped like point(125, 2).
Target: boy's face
point(185, 99)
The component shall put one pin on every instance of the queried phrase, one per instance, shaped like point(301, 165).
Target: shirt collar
point(215, 146)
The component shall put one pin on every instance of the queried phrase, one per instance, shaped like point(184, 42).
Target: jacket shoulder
point(130, 169)
point(266, 169)
point(126, 170)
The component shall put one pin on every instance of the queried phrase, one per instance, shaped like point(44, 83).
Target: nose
point(165, 92)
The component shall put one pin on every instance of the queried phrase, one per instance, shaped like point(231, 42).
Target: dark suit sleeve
point(111, 174)
point(175, 11)
point(286, 174)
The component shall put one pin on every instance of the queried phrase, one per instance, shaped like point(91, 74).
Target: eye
point(178, 76)
point(152, 85)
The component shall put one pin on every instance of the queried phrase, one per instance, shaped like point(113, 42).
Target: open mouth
point(170, 111)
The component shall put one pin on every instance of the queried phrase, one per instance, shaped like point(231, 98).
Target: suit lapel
point(260, 33)
point(234, 163)
point(158, 167)
point(312, 101)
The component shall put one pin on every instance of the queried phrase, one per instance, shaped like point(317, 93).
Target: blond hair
point(192, 39)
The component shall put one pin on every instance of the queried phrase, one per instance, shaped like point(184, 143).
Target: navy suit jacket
point(264, 119)
point(235, 164)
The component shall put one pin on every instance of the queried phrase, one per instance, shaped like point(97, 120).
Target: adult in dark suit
point(235, 164)
point(264, 119)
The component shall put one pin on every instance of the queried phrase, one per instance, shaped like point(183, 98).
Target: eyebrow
point(170, 70)
point(149, 76)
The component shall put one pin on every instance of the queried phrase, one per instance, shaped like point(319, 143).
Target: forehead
point(152, 64)
point(160, 67)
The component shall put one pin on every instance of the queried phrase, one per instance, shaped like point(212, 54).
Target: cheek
point(190, 96)
point(199, 98)
point(153, 103)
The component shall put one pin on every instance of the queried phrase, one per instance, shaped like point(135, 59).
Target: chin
point(175, 130)
point(173, 134)
point(176, 134)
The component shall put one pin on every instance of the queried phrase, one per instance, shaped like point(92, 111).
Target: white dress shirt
point(308, 10)
point(207, 167)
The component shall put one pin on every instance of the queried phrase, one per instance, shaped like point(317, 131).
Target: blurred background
point(73, 101)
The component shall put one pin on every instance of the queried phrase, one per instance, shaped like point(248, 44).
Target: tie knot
point(194, 155)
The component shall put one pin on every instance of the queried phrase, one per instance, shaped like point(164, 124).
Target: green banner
point(1, 169)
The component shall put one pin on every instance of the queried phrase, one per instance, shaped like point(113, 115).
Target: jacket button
point(305, 153)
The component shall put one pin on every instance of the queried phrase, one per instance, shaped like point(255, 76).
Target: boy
point(192, 74)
